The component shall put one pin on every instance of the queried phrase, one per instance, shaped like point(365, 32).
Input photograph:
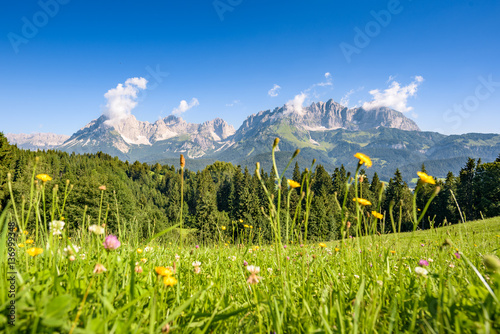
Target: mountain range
point(325, 131)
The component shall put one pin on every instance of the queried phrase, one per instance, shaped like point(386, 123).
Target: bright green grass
point(367, 286)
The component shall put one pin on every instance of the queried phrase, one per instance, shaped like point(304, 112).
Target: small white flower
point(96, 229)
point(451, 265)
point(72, 258)
point(232, 258)
point(253, 269)
point(356, 276)
point(196, 263)
point(270, 270)
point(430, 260)
point(82, 256)
point(148, 249)
point(177, 257)
point(56, 226)
point(379, 282)
point(72, 249)
point(421, 271)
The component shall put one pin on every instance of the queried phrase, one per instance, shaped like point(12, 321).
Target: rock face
point(36, 141)
point(170, 134)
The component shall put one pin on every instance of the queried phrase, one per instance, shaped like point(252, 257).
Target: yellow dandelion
point(363, 159)
point(223, 228)
point(377, 215)
point(337, 249)
point(29, 241)
point(139, 250)
point(241, 220)
point(426, 178)
point(25, 232)
point(34, 251)
point(162, 271)
point(20, 245)
point(362, 201)
point(251, 226)
point(44, 177)
point(169, 281)
point(393, 252)
point(246, 226)
point(322, 245)
point(293, 184)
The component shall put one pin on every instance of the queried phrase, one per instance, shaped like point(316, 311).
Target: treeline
point(149, 196)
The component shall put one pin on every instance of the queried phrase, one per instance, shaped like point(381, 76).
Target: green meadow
point(97, 279)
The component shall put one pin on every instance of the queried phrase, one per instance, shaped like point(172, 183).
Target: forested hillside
point(226, 195)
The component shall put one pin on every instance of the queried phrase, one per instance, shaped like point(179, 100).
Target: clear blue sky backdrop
point(57, 80)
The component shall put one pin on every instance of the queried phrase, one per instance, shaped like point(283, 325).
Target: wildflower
point(103, 187)
point(251, 226)
point(139, 250)
point(451, 265)
point(96, 229)
point(246, 226)
point(270, 270)
point(138, 269)
point(71, 249)
point(56, 226)
point(426, 178)
point(144, 260)
point(377, 215)
point(169, 281)
point(44, 177)
point(34, 251)
point(99, 268)
point(111, 242)
point(422, 245)
point(421, 271)
point(196, 265)
point(148, 249)
point(492, 262)
point(379, 282)
point(232, 258)
point(357, 276)
point(301, 245)
point(284, 246)
point(197, 246)
point(337, 249)
point(25, 232)
point(393, 251)
point(363, 159)
point(163, 271)
point(457, 255)
point(241, 220)
point(20, 245)
point(253, 278)
point(82, 256)
point(362, 201)
point(72, 258)
point(245, 263)
point(177, 257)
point(223, 228)
point(423, 263)
point(293, 184)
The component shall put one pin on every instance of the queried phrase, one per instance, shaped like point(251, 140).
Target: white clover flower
point(71, 249)
point(421, 271)
point(270, 270)
point(56, 226)
point(82, 256)
point(196, 263)
point(253, 269)
point(177, 257)
point(148, 249)
point(96, 229)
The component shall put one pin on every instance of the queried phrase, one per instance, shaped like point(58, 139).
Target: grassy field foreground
point(426, 281)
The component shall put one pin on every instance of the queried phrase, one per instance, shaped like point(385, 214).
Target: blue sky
point(435, 60)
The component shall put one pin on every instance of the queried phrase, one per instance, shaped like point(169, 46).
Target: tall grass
point(364, 284)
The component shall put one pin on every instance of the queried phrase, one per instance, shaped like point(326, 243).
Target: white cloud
point(122, 99)
point(296, 104)
point(185, 106)
point(273, 92)
point(345, 99)
point(395, 96)
point(232, 104)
